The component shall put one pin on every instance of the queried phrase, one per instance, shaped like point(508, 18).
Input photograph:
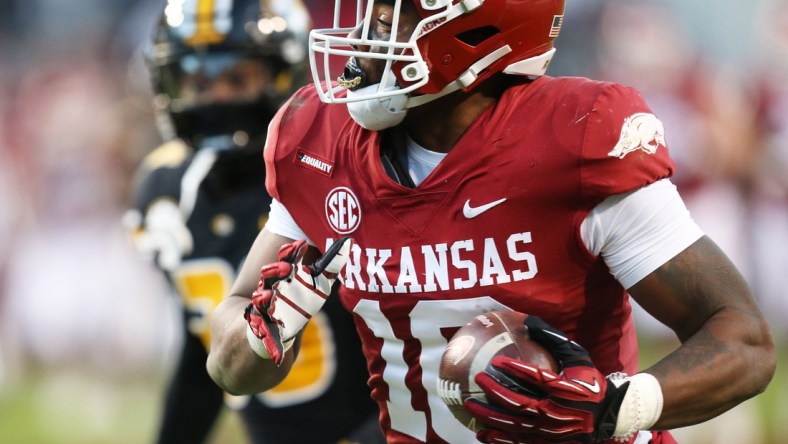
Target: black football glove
point(527, 404)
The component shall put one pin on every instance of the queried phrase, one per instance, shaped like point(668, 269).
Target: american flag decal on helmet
point(558, 20)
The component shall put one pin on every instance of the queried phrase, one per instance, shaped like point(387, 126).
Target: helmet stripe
point(212, 22)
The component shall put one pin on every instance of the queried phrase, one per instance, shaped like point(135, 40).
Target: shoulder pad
point(170, 154)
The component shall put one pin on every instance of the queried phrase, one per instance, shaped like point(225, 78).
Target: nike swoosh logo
point(593, 388)
point(471, 212)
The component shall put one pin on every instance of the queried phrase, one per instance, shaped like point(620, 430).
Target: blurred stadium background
point(87, 330)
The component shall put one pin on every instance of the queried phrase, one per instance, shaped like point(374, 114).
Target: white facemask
point(380, 113)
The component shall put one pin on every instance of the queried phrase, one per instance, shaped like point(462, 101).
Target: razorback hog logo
point(640, 131)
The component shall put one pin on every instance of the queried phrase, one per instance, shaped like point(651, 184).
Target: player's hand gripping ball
point(471, 350)
point(528, 404)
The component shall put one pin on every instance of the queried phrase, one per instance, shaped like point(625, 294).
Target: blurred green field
point(68, 406)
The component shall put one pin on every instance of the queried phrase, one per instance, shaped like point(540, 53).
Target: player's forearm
point(727, 355)
point(730, 359)
point(232, 363)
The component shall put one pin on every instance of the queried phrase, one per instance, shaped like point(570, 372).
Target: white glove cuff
point(257, 344)
point(641, 406)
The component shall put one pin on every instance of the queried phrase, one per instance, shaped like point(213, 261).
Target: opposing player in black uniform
point(220, 71)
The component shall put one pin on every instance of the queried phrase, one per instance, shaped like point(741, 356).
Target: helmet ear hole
point(476, 37)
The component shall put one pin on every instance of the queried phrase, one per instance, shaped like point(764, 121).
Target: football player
point(444, 175)
point(220, 70)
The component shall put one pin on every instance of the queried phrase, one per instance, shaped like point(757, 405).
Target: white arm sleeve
point(637, 232)
point(282, 223)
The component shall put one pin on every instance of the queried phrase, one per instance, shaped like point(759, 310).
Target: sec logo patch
point(342, 210)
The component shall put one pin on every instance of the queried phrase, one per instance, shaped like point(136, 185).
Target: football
point(472, 348)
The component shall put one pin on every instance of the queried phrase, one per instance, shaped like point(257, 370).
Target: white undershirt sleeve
point(282, 223)
point(637, 232)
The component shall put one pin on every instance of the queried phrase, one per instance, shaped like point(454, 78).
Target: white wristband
point(641, 406)
point(257, 344)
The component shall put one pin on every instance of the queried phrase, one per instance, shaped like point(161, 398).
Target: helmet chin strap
point(381, 113)
point(465, 79)
point(533, 67)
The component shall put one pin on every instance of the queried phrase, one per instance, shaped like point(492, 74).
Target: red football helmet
point(456, 45)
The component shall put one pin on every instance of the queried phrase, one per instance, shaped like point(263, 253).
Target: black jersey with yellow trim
point(327, 384)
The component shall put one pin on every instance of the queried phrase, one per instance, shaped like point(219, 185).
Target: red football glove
point(531, 405)
point(290, 293)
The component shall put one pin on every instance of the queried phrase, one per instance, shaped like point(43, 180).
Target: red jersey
point(494, 226)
